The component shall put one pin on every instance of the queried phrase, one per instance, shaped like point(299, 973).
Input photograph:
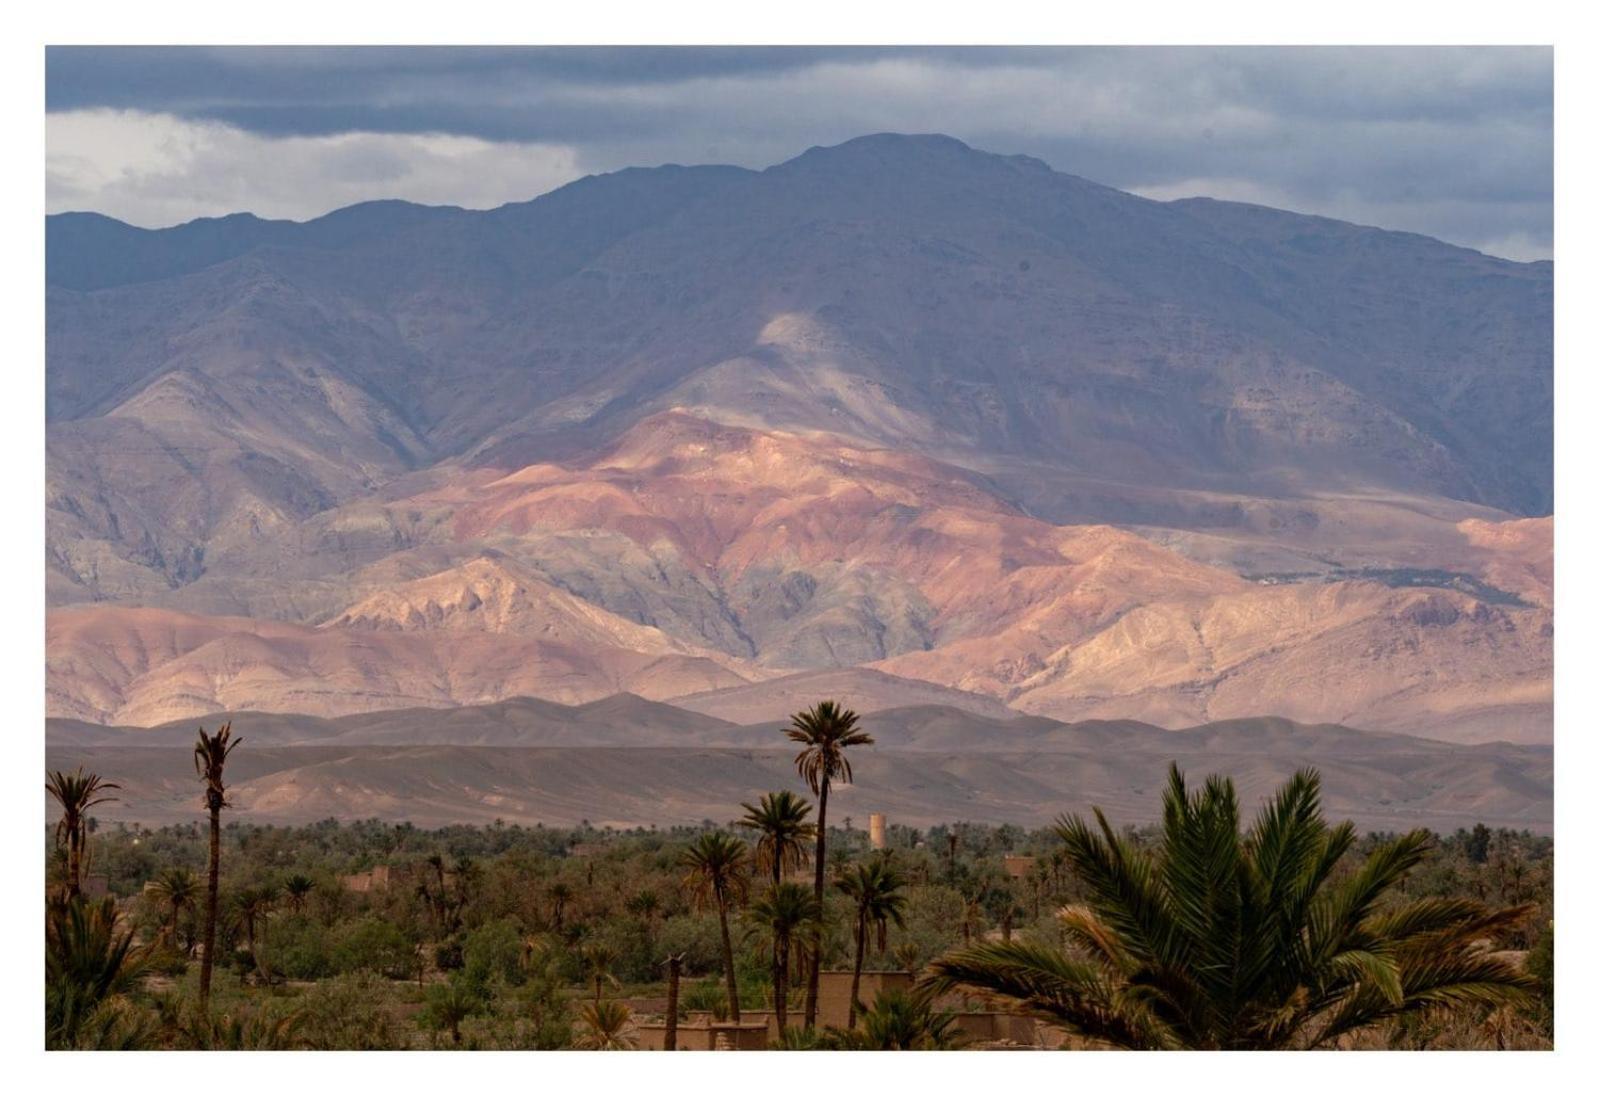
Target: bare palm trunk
point(209, 957)
point(674, 969)
point(727, 961)
point(821, 876)
point(780, 983)
point(74, 865)
point(860, 957)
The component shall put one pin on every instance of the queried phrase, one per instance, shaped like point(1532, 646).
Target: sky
point(1453, 142)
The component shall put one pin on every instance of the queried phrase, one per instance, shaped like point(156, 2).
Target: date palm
point(789, 911)
point(76, 793)
point(718, 875)
point(901, 1020)
point(605, 1027)
point(785, 835)
point(824, 732)
point(210, 757)
point(298, 888)
point(877, 890)
point(252, 906)
point(176, 889)
point(1219, 939)
point(89, 959)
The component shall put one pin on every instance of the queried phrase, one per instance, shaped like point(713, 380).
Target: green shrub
point(374, 945)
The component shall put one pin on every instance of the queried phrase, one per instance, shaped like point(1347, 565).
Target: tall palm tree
point(1220, 939)
point(718, 874)
point(76, 792)
point(877, 889)
point(210, 756)
point(789, 911)
point(176, 889)
point(785, 835)
point(824, 732)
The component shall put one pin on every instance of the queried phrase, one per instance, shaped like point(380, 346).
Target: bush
point(492, 952)
point(299, 948)
point(350, 1012)
point(376, 946)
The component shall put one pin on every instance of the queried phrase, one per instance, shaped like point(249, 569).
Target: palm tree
point(89, 960)
point(176, 889)
point(251, 906)
point(784, 832)
point(76, 792)
point(875, 887)
point(210, 755)
point(605, 1027)
point(560, 895)
point(901, 1020)
point(788, 911)
point(298, 888)
point(824, 733)
point(718, 865)
point(1226, 940)
point(448, 1004)
point(600, 957)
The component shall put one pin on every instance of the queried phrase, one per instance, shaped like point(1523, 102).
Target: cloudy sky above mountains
point(1452, 142)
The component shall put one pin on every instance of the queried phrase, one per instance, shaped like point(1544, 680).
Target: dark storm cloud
point(1454, 142)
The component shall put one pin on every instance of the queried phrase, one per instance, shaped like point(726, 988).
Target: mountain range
point(898, 418)
point(627, 761)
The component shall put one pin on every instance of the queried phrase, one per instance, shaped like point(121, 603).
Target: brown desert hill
point(866, 691)
point(694, 556)
point(1518, 556)
point(147, 666)
point(1425, 661)
point(620, 720)
point(1027, 778)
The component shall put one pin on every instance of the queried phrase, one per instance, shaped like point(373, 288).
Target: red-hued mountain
point(955, 418)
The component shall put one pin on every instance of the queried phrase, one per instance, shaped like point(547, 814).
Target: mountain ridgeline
point(899, 403)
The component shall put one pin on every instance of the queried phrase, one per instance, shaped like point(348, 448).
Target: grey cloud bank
point(1451, 142)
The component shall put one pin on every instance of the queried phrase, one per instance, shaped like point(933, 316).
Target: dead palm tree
point(877, 889)
point(210, 756)
point(718, 874)
point(789, 911)
point(76, 793)
point(785, 835)
point(1226, 940)
point(824, 732)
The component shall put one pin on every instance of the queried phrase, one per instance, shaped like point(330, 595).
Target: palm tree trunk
point(727, 963)
point(209, 958)
point(674, 969)
point(74, 864)
point(860, 957)
point(821, 878)
point(780, 984)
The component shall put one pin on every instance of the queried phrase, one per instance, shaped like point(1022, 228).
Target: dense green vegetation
point(536, 937)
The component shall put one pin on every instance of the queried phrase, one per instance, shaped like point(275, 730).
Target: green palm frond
point(1217, 937)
